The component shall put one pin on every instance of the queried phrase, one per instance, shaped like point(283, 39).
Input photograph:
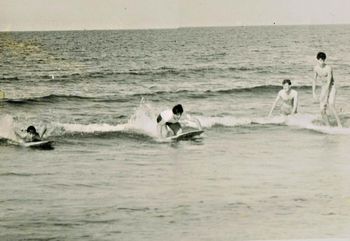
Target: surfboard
point(39, 144)
point(187, 135)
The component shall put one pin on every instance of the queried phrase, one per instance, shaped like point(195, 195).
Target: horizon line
point(173, 28)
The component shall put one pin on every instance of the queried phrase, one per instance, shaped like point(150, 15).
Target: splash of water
point(142, 121)
point(7, 128)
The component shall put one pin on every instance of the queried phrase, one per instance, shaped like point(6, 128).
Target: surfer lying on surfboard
point(31, 135)
point(168, 121)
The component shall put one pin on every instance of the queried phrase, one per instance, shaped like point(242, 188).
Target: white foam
point(208, 122)
point(142, 121)
point(92, 128)
point(275, 120)
point(306, 121)
point(7, 128)
point(328, 129)
point(302, 121)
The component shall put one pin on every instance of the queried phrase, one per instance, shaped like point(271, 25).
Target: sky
point(36, 15)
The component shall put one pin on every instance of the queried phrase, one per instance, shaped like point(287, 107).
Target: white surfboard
point(186, 135)
point(39, 144)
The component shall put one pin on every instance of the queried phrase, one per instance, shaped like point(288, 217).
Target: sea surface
point(109, 177)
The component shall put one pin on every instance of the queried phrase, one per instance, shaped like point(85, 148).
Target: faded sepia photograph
point(174, 120)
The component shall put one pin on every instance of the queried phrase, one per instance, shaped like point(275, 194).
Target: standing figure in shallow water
point(328, 92)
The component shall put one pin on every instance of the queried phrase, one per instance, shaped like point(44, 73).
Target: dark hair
point(177, 109)
point(286, 81)
point(31, 129)
point(321, 55)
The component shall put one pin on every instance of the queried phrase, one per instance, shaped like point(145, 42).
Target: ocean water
point(109, 177)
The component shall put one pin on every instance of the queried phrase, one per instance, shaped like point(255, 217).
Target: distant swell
point(209, 93)
point(154, 72)
point(195, 94)
point(48, 98)
point(16, 174)
point(260, 89)
point(255, 89)
point(164, 71)
point(62, 98)
point(8, 78)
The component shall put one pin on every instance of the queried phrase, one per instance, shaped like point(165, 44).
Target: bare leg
point(332, 97)
point(325, 116)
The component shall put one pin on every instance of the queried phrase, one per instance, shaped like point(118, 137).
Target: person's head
point(31, 130)
point(178, 110)
point(287, 84)
point(321, 57)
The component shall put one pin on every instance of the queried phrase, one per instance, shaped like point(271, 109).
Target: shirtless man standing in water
point(289, 99)
point(328, 91)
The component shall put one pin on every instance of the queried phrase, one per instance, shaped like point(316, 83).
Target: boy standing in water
point(289, 99)
point(328, 91)
point(168, 121)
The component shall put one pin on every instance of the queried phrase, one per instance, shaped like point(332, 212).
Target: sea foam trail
point(229, 121)
point(91, 128)
point(142, 122)
point(301, 121)
point(307, 121)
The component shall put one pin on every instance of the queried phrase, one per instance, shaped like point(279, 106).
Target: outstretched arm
point(43, 133)
point(19, 136)
point(160, 130)
point(274, 104)
point(194, 120)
